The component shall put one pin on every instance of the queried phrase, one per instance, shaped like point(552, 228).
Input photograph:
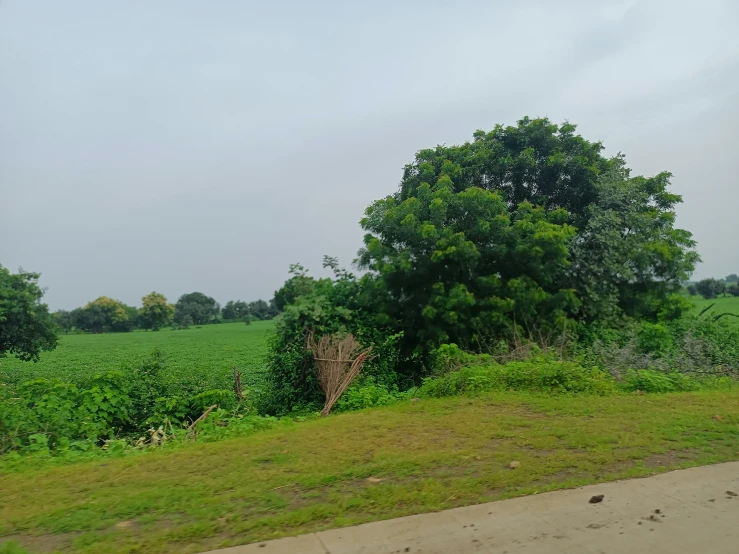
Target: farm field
point(721, 305)
point(196, 358)
point(374, 464)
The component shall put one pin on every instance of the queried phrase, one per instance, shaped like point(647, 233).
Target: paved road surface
point(682, 512)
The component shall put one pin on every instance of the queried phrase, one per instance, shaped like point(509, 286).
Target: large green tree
point(26, 327)
point(200, 308)
point(626, 258)
point(457, 266)
point(155, 312)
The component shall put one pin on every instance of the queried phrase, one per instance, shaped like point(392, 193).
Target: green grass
point(199, 357)
point(387, 462)
point(724, 304)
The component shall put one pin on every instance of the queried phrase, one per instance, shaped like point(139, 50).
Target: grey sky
point(179, 145)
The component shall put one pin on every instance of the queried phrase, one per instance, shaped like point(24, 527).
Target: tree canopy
point(104, 315)
point(457, 267)
point(710, 288)
point(26, 327)
point(623, 256)
point(200, 308)
point(235, 311)
point(155, 312)
point(536, 161)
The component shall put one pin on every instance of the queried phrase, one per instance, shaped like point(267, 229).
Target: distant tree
point(692, 290)
point(91, 318)
point(710, 288)
point(133, 318)
point(201, 308)
point(77, 316)
point(732, 278)
point(274, 311)
point(296, 286)
point(733, 290)
point(26, 327)
point(184, 322)
point(241, 310)
point(104, 315)
point(235, 311)
point(228, 312)
point(64, 319)
point(155, 312)
point(259, 309)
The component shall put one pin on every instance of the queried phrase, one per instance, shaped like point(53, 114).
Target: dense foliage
point(196, 308)
point(342, 304)
point(457, 267)
point(26, 327)
point(105, 315)
point(526, 234)
point(155, 312)
point(710, 288)
point(109, 405)
point(235, 311)
point(625, 258)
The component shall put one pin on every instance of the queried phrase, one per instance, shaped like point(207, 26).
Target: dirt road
point(687, 511)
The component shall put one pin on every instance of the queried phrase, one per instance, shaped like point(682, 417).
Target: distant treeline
point(713, 288)
point(105, 315)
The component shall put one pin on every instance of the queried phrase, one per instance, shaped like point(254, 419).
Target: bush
point(692, 345)
point(653, 381)
point(51, 415)
point(340, 305)
point(367, 393)
point(62, 412)
point(654, 339)
point(539, 375)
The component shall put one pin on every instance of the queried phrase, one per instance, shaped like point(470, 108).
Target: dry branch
point(338, 362)
point(192, 428)
point(238, 389)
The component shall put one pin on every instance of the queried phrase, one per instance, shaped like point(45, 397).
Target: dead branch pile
point(339, 359)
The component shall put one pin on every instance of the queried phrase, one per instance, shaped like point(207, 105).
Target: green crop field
point(725, 304)
point(196, 358)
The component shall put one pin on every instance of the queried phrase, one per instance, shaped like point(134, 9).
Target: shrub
point(340, 305)
point(653, 381)
point(539, 375)
point(367, 393)
point(62, 412)
point(654, 339)
point(648, 381)
point(224, 399)
point(52, 415)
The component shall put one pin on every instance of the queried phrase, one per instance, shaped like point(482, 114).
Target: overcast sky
point(180, 145)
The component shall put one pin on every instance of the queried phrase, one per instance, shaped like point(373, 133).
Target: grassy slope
point(429, 455)
point(197, 355)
